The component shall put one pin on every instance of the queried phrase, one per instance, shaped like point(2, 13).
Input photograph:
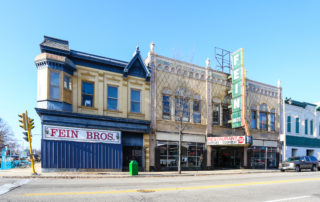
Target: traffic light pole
point(30, 126)
point(27, 125)
point(31, 153)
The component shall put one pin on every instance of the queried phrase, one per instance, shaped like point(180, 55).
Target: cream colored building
point(103, 98)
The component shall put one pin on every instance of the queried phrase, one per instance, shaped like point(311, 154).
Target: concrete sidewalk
point(27, 173)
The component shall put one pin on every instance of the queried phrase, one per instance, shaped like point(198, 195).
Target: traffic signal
point(25, 136)
point(22, 120)
point(30, 123)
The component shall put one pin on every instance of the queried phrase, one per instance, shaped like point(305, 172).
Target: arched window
point(263, 117)
point(196, 108)
point(166, 105)
point(182, 103)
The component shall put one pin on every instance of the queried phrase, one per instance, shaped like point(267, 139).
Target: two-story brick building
point(94, 110)
point(206, 114)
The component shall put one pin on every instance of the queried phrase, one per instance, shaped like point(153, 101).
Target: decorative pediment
point(136, 67)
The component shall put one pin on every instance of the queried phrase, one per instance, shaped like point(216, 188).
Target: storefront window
point(257, 157)
point(191, 154)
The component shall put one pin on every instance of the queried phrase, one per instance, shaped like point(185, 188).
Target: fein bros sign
point(81, 134)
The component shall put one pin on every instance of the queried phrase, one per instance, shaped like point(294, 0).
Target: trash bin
point(133, 168)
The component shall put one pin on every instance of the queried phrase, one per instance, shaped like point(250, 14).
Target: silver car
point(299, 163)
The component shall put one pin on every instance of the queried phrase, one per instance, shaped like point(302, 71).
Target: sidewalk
point(27, 173)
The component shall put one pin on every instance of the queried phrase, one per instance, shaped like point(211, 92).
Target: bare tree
point(6, 135)
point(178, 100)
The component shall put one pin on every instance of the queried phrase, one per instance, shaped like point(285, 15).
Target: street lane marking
point(169, 189)
point(287, 199)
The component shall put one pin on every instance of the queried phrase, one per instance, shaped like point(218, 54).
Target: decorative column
point(209, 109)
point(153, 109)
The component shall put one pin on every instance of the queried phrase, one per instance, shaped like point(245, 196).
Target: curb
point(138, 176)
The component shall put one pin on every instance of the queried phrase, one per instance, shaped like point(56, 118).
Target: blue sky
point(280, 40)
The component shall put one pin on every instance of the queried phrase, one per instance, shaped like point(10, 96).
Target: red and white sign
point(229, 140)
point(81, 134)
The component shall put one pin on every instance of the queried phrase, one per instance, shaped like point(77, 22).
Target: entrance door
point(227, 157)
point(132, 153)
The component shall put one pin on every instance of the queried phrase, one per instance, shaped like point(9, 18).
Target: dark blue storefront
point(58, 155)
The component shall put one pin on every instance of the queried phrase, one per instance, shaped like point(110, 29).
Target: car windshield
point(293, 159)
point(312, 158)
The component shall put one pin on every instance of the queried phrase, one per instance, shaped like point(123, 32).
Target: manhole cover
point(145, 190)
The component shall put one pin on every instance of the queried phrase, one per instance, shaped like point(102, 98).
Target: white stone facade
point(302, 123)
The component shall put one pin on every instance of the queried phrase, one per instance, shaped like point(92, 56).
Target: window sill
point(136, 114)
point(113, 111)
point(90, 108)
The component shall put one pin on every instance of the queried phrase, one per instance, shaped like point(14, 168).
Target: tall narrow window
point(87, 94)
point(216, 114)
point(226, 116)
point(226, 112)
point(272, 121)
point(55, 85)
point(112, 100)
point(297, 125)
point(182, 102)
point(166, 108)
point(67, 82)
point(289, 124)
point(254, 119)
point(306, 127)
point(263, 118)
point(263, 121)
point(311, 127)
point(196, 109)
point(135, 101)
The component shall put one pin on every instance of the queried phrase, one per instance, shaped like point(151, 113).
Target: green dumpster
point(133, 168)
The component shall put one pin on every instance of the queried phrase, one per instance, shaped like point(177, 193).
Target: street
point(288, 186)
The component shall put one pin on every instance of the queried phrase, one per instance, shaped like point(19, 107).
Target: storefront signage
point(229, 140)
point(81, 134)
point(238, 101)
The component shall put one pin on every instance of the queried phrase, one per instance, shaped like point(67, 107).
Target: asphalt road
point(289, 186)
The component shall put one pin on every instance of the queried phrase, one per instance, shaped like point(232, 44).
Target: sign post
point(238, 91)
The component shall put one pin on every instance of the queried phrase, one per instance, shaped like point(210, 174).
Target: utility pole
point(27, 124)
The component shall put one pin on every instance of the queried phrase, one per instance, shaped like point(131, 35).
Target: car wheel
point(298, 168)
point(282, 170)
point(314, 168)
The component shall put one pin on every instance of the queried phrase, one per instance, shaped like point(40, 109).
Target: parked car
point(299, 163)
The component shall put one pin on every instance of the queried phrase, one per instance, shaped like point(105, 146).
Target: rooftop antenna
point(223, 62)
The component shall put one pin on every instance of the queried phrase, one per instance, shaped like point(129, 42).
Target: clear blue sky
point(281, 40)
